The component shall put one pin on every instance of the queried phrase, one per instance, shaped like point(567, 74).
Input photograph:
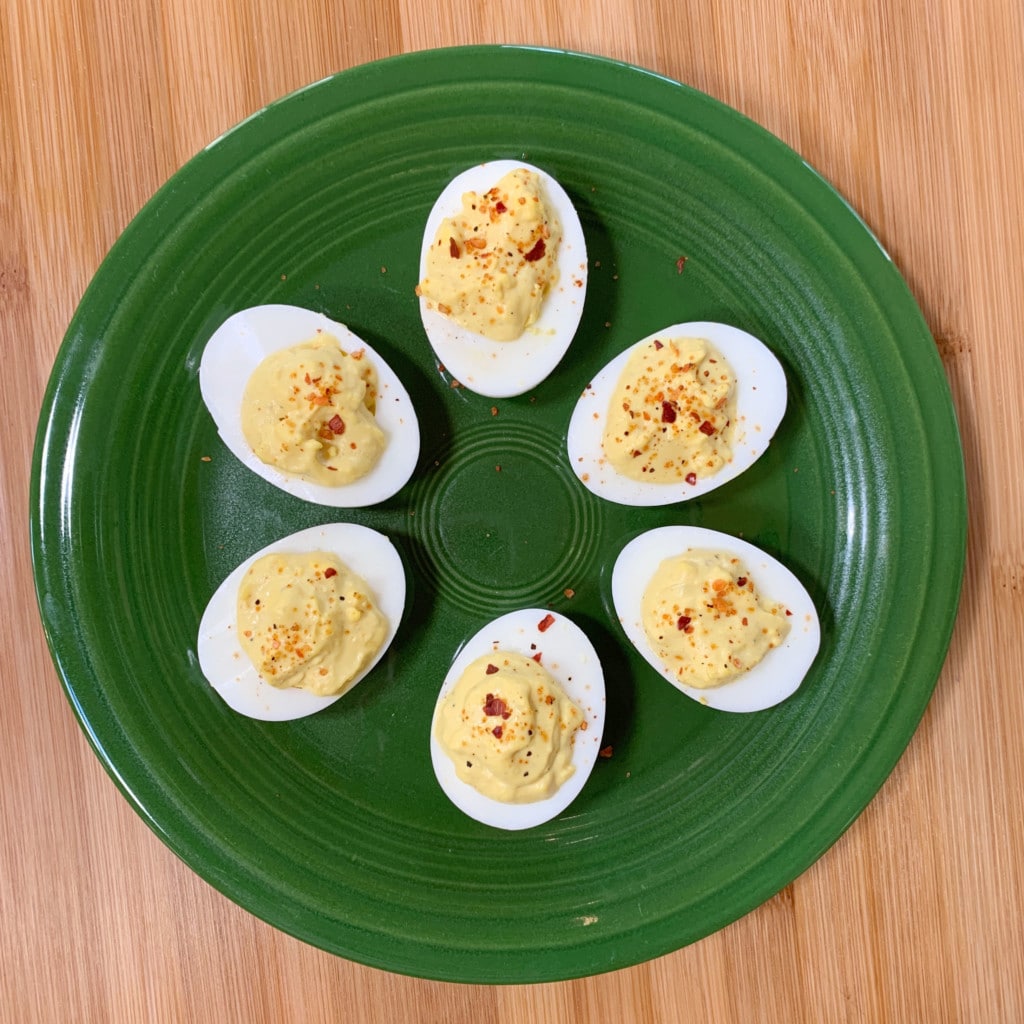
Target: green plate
point(332, 828)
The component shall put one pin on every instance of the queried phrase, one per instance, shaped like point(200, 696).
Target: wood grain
point(916, 113)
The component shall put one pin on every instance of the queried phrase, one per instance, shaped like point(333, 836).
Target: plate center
point(502, 517)
point(501, 520)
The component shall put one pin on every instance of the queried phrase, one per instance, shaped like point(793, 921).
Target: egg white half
point(244, 340)
point(570, 658)
point(760, 405)
point(779, 674)
point(501, 369)
point(228, 668)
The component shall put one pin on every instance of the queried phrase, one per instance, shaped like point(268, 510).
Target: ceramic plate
point(333, 828)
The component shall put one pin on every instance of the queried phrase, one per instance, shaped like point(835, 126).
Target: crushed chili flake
point(691, 478)
point(606, 751)
point(497, 730)
point(490, 670)
point(569, 593)
point(706, 428)
point(658, 345)
point(329, 572)
point(546, 623)
point(741, 581)
point(683, 621)
point(500, 207)
point(337, 425)
point(496, 706)
point(668, 412)
point(205, 458)
point(538, 656)
point(680, 263)
point(536, 252)
point(453, 249)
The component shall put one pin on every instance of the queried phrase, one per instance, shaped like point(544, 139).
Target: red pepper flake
point(453, 249)
point(706, 428)
point(490, 670)
point(497, 730)
point(329, 572)
point(496, 706)
point(606, 751)
point(741, 581)
point(337, 425)
point(668, 412)
point(500, 207)
point(546, 623)
point(788, 612)
point(538, 656)
point(680, 263)
point(658, 345)
point(683, 621)
point(569, 593)
point(691, 478)
point(536, 252)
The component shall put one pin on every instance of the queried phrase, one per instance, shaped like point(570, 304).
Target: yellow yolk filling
point(509, 728)
point(491, 266)
point(307, 621)
point(309, 411)
point(705, 619)
point(672, 415)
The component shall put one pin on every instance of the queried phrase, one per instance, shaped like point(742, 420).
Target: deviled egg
point(503, 277)
point(518, 721)
point(309, 406)
point(720, 619)
point(676, 415)
point(298, 624)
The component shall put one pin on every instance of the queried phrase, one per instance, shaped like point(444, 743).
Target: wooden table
point(915, 112)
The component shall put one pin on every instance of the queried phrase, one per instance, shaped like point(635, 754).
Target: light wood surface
point(915, 111)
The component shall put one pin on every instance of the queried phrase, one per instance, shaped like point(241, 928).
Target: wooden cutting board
point(916, 115)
